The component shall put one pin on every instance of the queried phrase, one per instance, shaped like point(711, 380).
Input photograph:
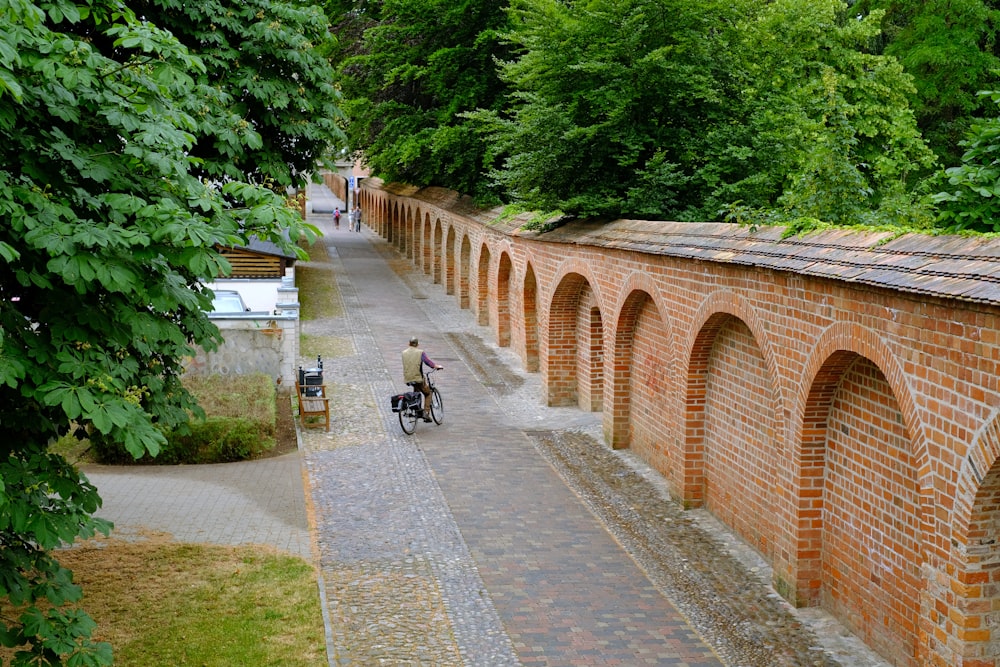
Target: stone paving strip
point(400, 584)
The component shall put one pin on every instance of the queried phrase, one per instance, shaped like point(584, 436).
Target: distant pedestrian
point(356, 217)
point(350, 220)
point(336, 217)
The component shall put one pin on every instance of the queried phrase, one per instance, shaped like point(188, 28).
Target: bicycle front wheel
point(437, 406)
point(408, 420)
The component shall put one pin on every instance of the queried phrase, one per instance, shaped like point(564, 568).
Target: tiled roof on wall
point(956, 267)
point(951, 266)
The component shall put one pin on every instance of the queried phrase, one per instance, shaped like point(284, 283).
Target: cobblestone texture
point(509, 535)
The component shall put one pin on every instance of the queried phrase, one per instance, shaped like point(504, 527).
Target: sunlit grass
point(328, 347)
point(318, 293)
point(166, 603)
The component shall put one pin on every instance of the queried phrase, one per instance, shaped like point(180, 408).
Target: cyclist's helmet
point(414, 342)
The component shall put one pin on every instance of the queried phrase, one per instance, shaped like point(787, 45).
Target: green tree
point(109, 232)
point(266, 66)
point(827, 124)
point(973, 202)
point(679, 110)
point(951, 48)
point(414, 69)
point(609, 102)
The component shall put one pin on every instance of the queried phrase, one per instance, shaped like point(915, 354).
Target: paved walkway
point(473, 542)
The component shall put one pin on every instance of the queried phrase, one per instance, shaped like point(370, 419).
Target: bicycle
point(409, 406)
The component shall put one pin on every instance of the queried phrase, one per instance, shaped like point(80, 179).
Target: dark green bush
point(216, 440)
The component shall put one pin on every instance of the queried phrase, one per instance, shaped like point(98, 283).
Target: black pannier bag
point(415, 399)
point(411, 399)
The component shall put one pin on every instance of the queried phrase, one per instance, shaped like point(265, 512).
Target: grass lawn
point(166, 603)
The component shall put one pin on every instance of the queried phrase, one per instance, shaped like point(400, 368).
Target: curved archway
point(483, 286)
point(403, 237)
point(427, 248)
point(864, 490)
point(731, 454)
point(392, 229)
point(575, 331)
point(529, 300)
point(465, 268)
point(719, 310)
point(438, 252)
point(504, 271)
point(450, 262)
point(412, 236)
point(859, 514)
point(639, 385)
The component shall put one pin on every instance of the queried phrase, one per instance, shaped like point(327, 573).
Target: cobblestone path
point(508, 535)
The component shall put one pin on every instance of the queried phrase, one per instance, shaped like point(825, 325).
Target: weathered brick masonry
point(833, 398)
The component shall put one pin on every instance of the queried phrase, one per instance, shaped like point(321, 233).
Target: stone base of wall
point(253, 344)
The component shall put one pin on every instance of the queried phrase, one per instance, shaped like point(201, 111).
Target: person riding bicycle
point(414, 360)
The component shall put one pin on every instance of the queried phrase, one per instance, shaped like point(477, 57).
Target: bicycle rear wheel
point(437, 406)
point(408, 420)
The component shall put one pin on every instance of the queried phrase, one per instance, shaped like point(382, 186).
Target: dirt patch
point(285, 436)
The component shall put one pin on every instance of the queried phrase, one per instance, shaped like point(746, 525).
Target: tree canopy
point(124, 162)
point(414, 69)
point(952, 51)
point(795, 111)
point(266, 104)
point(972, 196)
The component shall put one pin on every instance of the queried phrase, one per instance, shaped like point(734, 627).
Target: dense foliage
point(108, 126)
point(790, 111)
point(972, 200)
point(643, 110)
point(952, 50)
point(265, 104)
point(414, 68)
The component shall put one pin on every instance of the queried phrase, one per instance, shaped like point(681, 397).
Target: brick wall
point(832, 398)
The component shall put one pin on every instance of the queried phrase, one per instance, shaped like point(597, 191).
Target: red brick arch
point(560, 366)
point(426, 245)
point(450, 258)
point(848, 355)
point(529, 304)
point(412, 239)
point(712, 315)
point(638, 293)
point(867, 343)
point(483, 285)
point(392, 229)
point(464, 269)
point(984, 456)
point(437, 251)
point(505, 270)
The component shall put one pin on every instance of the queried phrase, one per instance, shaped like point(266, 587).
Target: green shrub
point(216, 440)
point(240, 424)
